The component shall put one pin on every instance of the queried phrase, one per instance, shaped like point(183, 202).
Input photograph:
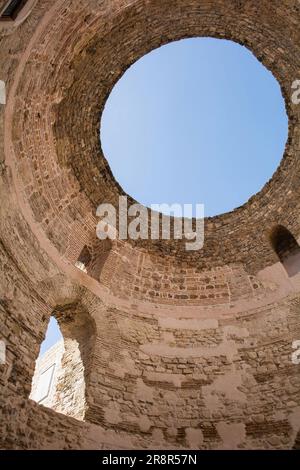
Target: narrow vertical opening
point(287, 249)
point(84, 259)
point(48, 366)
point(92, 261)
point(63, 367)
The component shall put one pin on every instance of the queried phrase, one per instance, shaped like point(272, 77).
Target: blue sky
point(196, 121)
point(53, 335)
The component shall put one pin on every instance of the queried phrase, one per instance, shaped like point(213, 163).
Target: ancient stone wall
point(190, 382)
point(179, 349)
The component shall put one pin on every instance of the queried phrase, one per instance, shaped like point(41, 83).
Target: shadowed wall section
point(287, 249)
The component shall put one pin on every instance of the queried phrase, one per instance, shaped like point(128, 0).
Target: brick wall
point(179, 349)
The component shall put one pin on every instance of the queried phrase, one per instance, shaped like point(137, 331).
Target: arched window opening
point(48, 366)
point(92, 261)
point(84, 259)
point(102, 251)
point(62, 372)
point(287, 249)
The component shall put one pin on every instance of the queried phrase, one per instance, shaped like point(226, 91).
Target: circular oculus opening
point(198, 120)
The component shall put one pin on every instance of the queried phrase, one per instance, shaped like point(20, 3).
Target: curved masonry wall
point(179, 350)
point(220, 381)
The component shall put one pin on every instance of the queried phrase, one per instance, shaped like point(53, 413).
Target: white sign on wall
point(2, 92)
point(44, 384)
point(2, 352)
